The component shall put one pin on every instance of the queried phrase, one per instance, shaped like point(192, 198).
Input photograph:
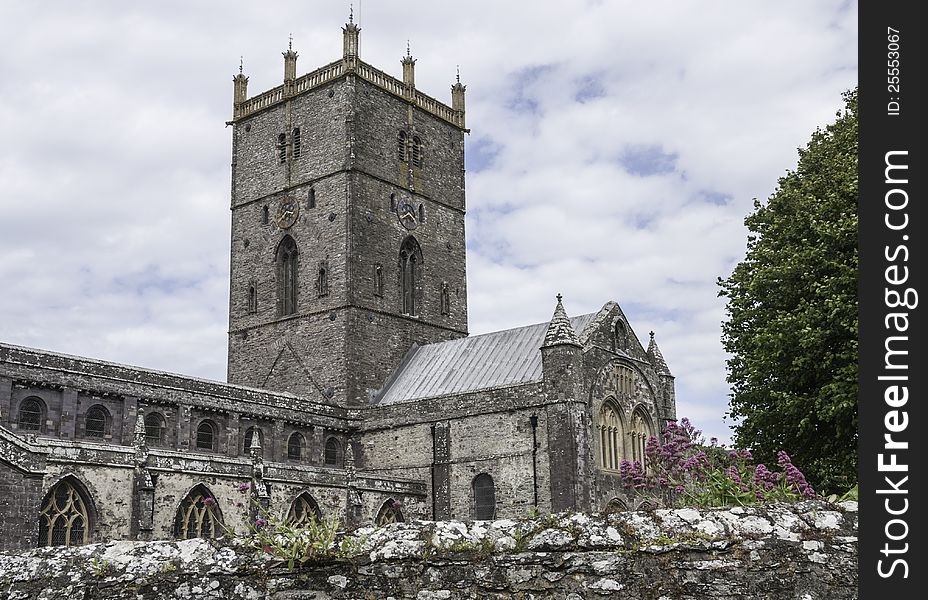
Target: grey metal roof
point(469, 364)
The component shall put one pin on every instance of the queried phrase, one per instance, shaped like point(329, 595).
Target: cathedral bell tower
point(347, 227)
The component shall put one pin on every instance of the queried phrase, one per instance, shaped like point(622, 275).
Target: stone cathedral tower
point(347, 227)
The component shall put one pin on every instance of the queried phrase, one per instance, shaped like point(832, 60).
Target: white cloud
point(114, 158)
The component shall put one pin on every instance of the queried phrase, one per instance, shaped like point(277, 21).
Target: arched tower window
point(333, 451)
point(65, 516)
point(322, 279)
point(311, 199)
point(96, 422)
point(154, 428)
point(641, 430)
point(484, 497)
point(265, 215)
point(619, 336)
point(249, 436)
point(401, 146)
point(206, 436)
point(421, 214)
point(297, 143)
point(282, 148)
point(252, 297)
point(445, 299)
point(295, 445)
point(611, 435)
point(390, 512)
point(198, 515)
point(303, 511)
point(416, 152)
point(31, 414)
point(410, 273)
point(378, 281)
point(287, 270)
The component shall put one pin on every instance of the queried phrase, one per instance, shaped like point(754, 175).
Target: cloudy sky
point(615, 150)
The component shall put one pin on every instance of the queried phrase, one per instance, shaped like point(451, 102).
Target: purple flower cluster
point(681, 469)
point(243, 487)
point(260, 523)
point(794, 477)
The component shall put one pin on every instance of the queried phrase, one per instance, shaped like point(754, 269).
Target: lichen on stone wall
point(806, 550)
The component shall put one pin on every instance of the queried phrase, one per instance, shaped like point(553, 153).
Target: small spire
point(350, 13)
point(656, 358)
point(408, 50)
point(560, 330)
point(255, 442)
point(290, 45)
point(458, 73)
point(241, 64)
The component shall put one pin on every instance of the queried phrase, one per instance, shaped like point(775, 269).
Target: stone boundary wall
point(806, 551)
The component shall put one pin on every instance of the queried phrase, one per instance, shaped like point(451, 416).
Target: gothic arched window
point(249, 436)
point(611, 436)
point(620, 336)
point(615, 506)
point(333, 450)
point(282, 148)
point(252, 297)
point(265, 215)
point(31, 414)
point(297, 149)
point(303, 511)
point(401, 146)
point(410, 267)
point(416, 152)
point(198, 516)
point(287, 270)
point(641, 430)
point(322, 279)
point(154, 428)
point(311, 199)
point(484, 497)
point(295, 446)
point(378, 281)
point(390, 512)
point(96, 422)
point(65, 519)
point(206, 435)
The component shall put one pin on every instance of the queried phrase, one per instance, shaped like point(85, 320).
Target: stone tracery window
point(206, 436)
point(611, 435)
point(401, 146)
point(484, 497)
point(332, 453)
point(295, 445)
point(641, 430)
point(198, 515)
point(64, 519)
point(410, 267)
point(390, 512)
point(287, 270)
point(96, 422)
point(303, 511)
point(31, 414)
point(154, 428)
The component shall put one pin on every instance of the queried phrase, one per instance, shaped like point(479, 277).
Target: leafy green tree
point(791, 328)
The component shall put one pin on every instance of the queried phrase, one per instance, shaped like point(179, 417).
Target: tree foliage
point(791, 328)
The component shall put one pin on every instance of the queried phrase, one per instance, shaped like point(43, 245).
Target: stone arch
point(614, 505)
point(207, 435)
point(67, 515)
point(304, 510)
point(198, 515)
point(390, 512)
point(641, 428)
point(155, 426)
point(31, 414)
point(610, 434)
point(410, 276)
point(295, 444)
point(97, 422)
point(287, 258)
point(332, 453)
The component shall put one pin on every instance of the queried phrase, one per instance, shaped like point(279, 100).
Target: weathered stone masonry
point(806, 551)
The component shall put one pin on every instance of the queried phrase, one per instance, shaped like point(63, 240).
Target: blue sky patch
point(648, 159)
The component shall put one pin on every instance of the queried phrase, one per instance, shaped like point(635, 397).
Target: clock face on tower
point(406, 213)
point(287, 212)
